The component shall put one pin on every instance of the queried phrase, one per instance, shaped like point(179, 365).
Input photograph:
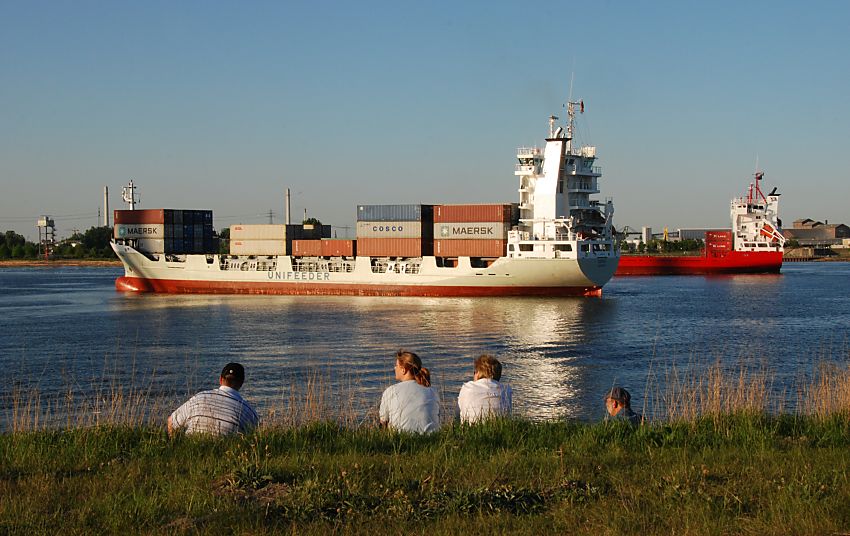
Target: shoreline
point(39, 263)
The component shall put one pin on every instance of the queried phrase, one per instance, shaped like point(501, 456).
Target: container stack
point(274, 239)
point(718, 243)
point(395, 230)
point(472, 230)
point(166, 230)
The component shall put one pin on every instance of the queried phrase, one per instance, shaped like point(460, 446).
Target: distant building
point(808, 232)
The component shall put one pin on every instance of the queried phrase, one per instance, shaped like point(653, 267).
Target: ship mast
point(128, 194)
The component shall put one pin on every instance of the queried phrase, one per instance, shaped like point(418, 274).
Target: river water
point(67, 329)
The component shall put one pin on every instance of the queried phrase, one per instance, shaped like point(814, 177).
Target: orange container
point(148, 215)
point(470, 248)
point(393, 247)
point(312, 248)
point(338, 248)
point(472, 213)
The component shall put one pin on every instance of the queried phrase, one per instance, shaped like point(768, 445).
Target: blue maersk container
point(423, 213)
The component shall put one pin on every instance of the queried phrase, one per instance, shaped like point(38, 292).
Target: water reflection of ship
point(544, 343)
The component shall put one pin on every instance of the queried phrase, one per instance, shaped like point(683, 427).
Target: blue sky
point(223, 105)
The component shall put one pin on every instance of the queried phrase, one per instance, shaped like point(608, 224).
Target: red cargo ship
point(754, 245)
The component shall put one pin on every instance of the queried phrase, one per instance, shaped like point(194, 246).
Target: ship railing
point(529, 150)
point(379, 267)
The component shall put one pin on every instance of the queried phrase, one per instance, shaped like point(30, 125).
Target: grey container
point(373, 213)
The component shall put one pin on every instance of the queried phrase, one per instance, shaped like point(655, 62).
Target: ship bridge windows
point(526, 247)
point(563, 247)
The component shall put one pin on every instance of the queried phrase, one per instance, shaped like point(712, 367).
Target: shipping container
point(718, 235)
point(390, 229)
point(472, 231)
point(472, 213)
point(154, 245)
point(311, 248)
point(258, 247)
point(423, 213)
point(150, 215)
point(338, 248)
point(139, 230)
point(258, 232)
point(394, 247)
point(469, 248)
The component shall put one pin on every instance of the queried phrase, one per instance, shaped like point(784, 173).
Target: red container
point(393, 247)
point(470, 248)
point(149, 215)
point(472, 213)
point(718, 236)
point(312, 248)
point(338, 248)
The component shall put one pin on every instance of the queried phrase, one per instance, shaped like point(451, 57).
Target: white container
point(389, 229)
point(258, 232)
point(258, 247)
point(140, 230)
point(151, 245)
point(471, 231)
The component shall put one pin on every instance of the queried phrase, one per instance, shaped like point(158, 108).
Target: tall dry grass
point(676, 393)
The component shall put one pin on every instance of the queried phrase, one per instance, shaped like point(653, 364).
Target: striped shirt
point(217, 411)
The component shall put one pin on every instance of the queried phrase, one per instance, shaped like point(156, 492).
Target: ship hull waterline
point(733, 263)
point(200, 274)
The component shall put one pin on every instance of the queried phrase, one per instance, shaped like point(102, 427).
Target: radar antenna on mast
point(128, 194)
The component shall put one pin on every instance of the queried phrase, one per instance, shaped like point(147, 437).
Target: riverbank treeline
point(725, 474)
point(91, 244)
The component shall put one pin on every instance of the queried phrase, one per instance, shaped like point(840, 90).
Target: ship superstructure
point(755, 220)
point(558, 216)
point(560, 244)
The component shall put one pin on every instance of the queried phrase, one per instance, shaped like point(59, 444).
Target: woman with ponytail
point(411, 405)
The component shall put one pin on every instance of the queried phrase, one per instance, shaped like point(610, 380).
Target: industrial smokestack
point(106, 206)
point(288, 222)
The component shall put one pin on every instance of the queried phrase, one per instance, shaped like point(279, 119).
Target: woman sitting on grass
point(484, 397)
point(411, 405)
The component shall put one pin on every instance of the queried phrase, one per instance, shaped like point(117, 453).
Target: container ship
point(556, 241)
point(755, 243)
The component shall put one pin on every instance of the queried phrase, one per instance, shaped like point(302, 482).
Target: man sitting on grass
point(217, 411)
point(618, 402)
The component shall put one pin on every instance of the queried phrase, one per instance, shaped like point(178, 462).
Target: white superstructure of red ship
point(754, 244)
point(559, 244)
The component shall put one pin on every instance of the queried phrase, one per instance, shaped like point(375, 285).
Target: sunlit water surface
point(64, 328)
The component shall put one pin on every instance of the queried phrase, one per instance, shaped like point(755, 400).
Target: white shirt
point(217, 411)
point(483, 398)
point(409, 407)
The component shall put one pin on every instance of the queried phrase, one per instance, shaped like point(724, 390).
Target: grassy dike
point(742, 474)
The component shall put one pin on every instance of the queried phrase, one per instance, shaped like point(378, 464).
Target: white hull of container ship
point(561, 245)
point(361, 276)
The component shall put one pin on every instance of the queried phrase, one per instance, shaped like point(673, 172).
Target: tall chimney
point(288, 222)
point(106, 206)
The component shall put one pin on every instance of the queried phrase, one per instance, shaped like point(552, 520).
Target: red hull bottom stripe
point(174, 286)
point(734, 263)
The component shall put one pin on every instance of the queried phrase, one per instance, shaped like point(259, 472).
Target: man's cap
point(233, 370)
point(619, 394)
